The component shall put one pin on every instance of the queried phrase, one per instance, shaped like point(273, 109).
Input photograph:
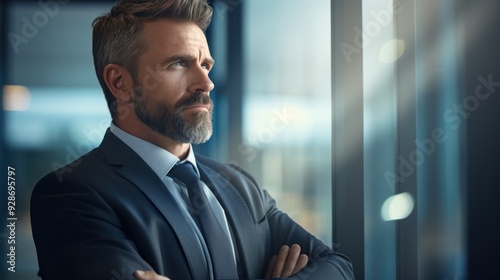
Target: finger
point(270, 267)
point(280, 261)
point(291, 261)
point(301, 263)
point(149, 275)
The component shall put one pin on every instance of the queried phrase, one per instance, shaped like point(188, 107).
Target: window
point(287, 107)
point(390, 123)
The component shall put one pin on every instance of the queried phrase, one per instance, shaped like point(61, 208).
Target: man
point(143, 205)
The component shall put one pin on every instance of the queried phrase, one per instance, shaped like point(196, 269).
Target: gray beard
point(173, 124)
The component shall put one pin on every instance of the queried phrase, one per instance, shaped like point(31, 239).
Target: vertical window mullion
point(347, 134)
point(407, 242)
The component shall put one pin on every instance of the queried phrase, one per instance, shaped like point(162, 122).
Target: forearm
point(324, 263)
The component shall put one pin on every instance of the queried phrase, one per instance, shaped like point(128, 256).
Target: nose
point(201, 82)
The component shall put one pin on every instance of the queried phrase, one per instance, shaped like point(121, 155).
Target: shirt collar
point(158, 159)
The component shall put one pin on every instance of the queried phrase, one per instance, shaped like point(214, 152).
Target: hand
point(149, 275)
point(289, 261)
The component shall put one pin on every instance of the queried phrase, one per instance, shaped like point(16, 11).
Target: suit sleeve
point(77, 235)
point(324, 263)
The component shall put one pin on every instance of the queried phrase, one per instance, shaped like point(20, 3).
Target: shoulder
point(82, 165)
point(241, 180)
point(72, 174)
point(94, 167)
point(227, 170)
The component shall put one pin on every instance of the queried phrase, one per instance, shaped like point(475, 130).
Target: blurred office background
point(374, 123)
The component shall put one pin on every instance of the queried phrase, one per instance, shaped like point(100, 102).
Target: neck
point(145, 133)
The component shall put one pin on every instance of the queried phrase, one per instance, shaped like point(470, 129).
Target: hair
point(117, 37)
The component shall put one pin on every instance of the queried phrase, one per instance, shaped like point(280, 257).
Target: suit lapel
point(136, 171)
point(240, 220)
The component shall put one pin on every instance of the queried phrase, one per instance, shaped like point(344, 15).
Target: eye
point(179, 63)
point(206, 66)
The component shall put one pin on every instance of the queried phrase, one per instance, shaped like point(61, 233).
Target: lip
point(198, 107)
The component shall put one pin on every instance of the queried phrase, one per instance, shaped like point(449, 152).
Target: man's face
point(171, 91)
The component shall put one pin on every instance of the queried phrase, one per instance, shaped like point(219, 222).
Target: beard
point(172, 123)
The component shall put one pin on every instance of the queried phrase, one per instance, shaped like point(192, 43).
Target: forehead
point(174, 36)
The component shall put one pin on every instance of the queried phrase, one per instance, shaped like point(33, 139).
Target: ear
point(119, 82)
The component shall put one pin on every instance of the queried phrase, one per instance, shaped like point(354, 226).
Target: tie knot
point(184, 172)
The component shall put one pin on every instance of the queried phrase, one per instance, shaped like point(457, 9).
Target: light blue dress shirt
point(161, 161)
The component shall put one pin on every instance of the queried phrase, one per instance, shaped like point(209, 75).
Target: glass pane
point(287, 111)
point(411, 136)
point(381, 50)
point(441, 149)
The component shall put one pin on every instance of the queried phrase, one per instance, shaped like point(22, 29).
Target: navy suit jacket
point(108, 214)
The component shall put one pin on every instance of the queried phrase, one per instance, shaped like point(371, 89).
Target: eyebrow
point(181, 57)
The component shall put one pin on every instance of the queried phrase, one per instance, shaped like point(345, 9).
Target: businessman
point(143, 205)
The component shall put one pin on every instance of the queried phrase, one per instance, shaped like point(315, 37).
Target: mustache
point(195, 99)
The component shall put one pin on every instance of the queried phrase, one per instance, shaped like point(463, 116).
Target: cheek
point(154, 80)
point(171, 93)
point(171, 87)
point(163, 87)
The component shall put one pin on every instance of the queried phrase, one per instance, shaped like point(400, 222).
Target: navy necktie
point(215, 238)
